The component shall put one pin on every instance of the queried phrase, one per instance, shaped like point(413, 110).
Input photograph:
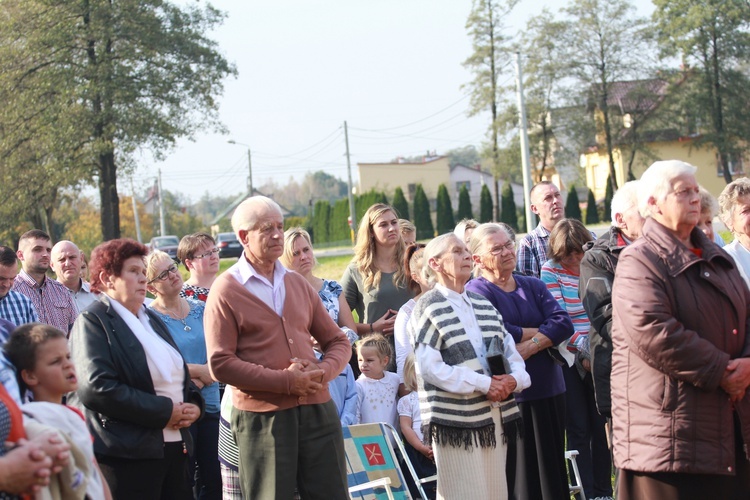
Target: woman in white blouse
point(470, 414)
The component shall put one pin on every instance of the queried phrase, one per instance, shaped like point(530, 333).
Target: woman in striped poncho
point(468, 415)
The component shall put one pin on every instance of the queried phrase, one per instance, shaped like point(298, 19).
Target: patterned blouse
point(194, 292)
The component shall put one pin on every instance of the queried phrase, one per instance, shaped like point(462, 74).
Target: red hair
point(109, 257)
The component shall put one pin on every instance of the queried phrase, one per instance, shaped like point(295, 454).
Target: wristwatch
point(536, 341)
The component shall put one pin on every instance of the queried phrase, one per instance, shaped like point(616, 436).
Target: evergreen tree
point(445, 220)
point(464, 204)
point(400, 204)
point(321, 221)
point(573, 205)
point(508, 214)
point(608, 202)
point(485, 205)
point(592, 213)
point(422, 214)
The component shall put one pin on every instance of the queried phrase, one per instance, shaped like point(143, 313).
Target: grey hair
point(708, 202)
point(728, 199)
point(463, 225)
point(246, 214)
point(434, 249)
point(624, 199)
point(487, 229)
point(656, 182)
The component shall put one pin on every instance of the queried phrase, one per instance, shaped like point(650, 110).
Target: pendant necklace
point(182, 320)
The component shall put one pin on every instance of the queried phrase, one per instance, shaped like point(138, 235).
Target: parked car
point(167, 244)
point(229, 245)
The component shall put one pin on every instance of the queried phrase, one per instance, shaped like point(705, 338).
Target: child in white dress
point(410, 419)
point(377, 389)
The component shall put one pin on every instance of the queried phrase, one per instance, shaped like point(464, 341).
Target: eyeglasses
point(685, 193)
point(207, 254)
point(165, 274)
point(499, 249)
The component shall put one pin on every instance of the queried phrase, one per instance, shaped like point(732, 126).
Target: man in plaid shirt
point(547, 203)
point(51, 299)
point(14, 307)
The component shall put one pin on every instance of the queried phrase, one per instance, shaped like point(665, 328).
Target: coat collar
point(677, 256)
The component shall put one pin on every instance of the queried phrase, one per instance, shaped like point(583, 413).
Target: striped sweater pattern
point(459, 419)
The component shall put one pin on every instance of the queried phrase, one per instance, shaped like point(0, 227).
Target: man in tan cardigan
point(259, 319)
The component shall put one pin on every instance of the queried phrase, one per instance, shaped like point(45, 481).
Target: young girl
point(377, 389)
point(410, 420)
point(42, 359)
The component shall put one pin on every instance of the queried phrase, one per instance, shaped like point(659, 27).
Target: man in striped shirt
point(14, 307)
point(51, 299)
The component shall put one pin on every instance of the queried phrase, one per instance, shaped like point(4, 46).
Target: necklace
point(174, 315)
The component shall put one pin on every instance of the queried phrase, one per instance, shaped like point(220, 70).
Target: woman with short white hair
point(469, 415)
point(734, 203)
point(680, 371)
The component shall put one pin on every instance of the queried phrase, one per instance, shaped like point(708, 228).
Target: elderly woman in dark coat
point(681, 359)
point(133, 384)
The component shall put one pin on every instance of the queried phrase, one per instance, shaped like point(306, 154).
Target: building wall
point(388, 176)
point(474, 178)
point(704, 158)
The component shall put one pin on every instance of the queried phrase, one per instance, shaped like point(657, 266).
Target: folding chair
point(575, 489)
point(370, 458)
point(373, 472)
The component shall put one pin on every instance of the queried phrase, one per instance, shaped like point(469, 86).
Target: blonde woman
point(298, 256)
point(375, 281)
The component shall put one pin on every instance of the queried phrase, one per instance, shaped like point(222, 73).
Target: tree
point(421, 211)
point(712, 37)
point(120, 77)
point(608, 193)
point(321, 222)
point(606, 42)
point(444, 214)
point(467, 156)
point(592, 212)
point(485, 205)
point(509, 214)
point(573, 205)
point(464, 204)
point(400, 204)
point(485, 24)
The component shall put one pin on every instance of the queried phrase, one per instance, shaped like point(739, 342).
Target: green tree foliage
point(608, 193)
point(467, 156)
point(509, 215)
point(421, 210)
point(366, 200)
point(592, 212)
point(711, 36)
point(444, 214)
point(464, 204)
point(321, 221)
point(573, 205)
point(606, 42)
point(91, 83)
point(485, 205)
point(400, 203)
point(489, 55)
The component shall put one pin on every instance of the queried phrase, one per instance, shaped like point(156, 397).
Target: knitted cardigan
point(457, 419)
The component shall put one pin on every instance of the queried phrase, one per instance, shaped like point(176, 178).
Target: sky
point(392, 69)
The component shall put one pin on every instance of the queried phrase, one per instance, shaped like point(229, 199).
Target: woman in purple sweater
point(536, 467)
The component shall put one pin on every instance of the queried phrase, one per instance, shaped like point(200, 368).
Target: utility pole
point(162, 226)
point(352, 212)
point(523, 132)
point(249, 165)
point(135, 212)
